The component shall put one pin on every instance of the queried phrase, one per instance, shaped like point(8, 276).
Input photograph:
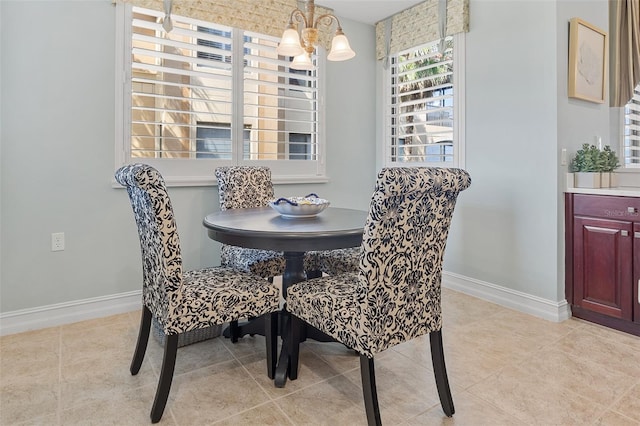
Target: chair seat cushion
point(264, 263)
point(218, 295)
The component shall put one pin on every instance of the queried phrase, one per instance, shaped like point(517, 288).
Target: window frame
point(634, 167)
point(458, 110)
point(200, 171)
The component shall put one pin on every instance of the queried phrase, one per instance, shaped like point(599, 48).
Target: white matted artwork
point(588, 61)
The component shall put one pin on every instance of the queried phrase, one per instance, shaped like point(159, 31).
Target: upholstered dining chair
point(183, 301)
point(396, 295)
point(241, 187)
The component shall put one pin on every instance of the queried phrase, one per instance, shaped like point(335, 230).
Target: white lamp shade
point(290, 44)
point(340, 49)
point(302, 62)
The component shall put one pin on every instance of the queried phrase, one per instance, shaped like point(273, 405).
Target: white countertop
point(622, 191)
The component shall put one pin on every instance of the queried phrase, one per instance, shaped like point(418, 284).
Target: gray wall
point(57, 152)
point(58, 103)
point(509, 227)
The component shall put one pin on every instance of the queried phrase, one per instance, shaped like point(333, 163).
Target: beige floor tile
point(613, 353)
point(404, 389)
point(192, 357)
point(629, 405)
point(535, 399)
point(35, 351)
point(29, 396)
point(214, 393)
point(469, 410)
point(336, 401)
point(130, 408)
point(611, 418)
point(100, 378)
point(312, 369)
point(268, 414)
point(505, 368)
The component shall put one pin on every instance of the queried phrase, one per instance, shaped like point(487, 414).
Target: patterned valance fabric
point(420, 24)
point(269, 17)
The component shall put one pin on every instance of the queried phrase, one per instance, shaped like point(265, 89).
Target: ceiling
point(366, 11)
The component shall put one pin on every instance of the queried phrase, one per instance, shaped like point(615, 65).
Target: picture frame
point(588, 61)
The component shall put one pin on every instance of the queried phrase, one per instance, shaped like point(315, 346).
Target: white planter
point(587, 179)
point(570, 181)
point(613, 180)
point(605, 180)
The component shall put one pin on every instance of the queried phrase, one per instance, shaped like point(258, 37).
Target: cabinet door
point(603, 266)
point(636, 272)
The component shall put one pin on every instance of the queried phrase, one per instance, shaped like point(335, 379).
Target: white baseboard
point(69, 312)
point(513, 299)
point(80, 310)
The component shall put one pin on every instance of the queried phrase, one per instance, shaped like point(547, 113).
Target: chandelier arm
point(326, 20)
point(298, 16)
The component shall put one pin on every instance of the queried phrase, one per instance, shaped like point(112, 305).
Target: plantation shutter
point(632, 131)
point(422, 105)
point(280, 104)
point(181, 88)
point(187, 104)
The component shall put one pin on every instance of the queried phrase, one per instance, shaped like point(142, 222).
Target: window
point(424, 123)
point(206, 95)
point(632, 131)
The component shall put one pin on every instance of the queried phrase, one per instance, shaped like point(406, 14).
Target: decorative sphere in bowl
point(293, 207)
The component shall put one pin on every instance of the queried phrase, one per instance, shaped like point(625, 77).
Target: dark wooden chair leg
point(440, 372)
point(271, 337)
point(143, 339)
point(234, 331)
point(166, 377)
point(294, 346)
point(314, 274)
point(368, 374)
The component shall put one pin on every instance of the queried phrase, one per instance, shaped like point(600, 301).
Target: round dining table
point(264, 228)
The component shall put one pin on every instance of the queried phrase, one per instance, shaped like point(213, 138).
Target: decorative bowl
point(294, 207)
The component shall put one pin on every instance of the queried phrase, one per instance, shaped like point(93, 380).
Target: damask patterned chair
point(183, 301)
point(251, 186)
point(241, 187)
point(396, 295)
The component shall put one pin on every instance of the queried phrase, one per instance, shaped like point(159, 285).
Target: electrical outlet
point(57, 241)
point(563, 157)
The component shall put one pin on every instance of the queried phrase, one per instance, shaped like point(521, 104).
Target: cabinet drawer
point(610, 207)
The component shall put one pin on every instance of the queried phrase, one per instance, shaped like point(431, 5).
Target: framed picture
point(588, 61)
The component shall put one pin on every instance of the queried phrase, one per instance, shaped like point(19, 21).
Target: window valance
point(265, 17)
point(421, 24)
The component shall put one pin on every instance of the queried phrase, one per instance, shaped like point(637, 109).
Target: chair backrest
point(241, 187)
point(159, 241)
point(403, 247)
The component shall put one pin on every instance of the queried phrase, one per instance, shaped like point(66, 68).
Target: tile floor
point(505, 368)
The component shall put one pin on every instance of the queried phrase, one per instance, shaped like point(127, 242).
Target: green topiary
point(587, 159)
point(608, 159)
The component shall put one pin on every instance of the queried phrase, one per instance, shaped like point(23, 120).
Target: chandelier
point(301, 45)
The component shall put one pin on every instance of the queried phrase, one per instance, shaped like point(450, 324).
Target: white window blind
point(632, 131)
point(278, 102)
point(423, 123)
point(206, 95)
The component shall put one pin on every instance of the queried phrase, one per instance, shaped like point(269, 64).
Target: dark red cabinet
point(603, 259)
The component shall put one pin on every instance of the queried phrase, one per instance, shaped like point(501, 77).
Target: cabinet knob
point(632, 210)
point(636, 235)
point(624, 233)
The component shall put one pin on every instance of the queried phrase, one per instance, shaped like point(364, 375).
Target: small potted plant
point(587, 165)
point(609, 162)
